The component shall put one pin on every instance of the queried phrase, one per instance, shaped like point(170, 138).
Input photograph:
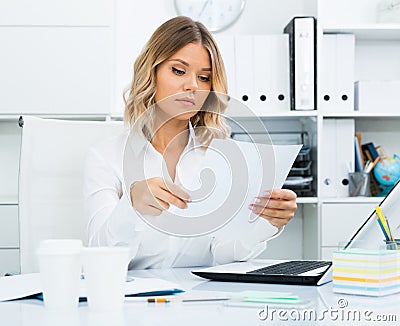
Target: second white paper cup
point(60, 269)
point(105, 270)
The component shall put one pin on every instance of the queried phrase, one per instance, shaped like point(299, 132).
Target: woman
point(172, 106)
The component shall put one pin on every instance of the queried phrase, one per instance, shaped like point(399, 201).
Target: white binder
point(328, 73)
point(226, 45)
point(337, 73)
point(244, 64)
point(279, 72)
point(345, 45)
point(262, 74)
point(337, 156)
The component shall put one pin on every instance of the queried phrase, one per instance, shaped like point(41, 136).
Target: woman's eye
point(204, 78)
point(177, 71)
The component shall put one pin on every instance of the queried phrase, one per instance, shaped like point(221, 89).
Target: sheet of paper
point(21, 286)
point(225, 181)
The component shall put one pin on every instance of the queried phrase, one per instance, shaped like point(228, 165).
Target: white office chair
point(51, 180)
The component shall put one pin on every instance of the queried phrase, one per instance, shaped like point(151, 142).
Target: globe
point(387, 171)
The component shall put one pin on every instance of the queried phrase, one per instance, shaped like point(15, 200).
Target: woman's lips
point(186, 101)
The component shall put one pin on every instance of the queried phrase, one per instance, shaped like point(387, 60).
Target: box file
point(302, 41)
point(345, 47)
point(261, 73)
point(337, 155)
point(377, 96)
point(271, 76)
point(244, 65)
point(226, 45)
point(337, 73)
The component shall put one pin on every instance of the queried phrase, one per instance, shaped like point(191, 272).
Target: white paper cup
point(60, 269)
point(105, 270)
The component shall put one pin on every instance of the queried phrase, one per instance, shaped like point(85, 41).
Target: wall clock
point(216, 15)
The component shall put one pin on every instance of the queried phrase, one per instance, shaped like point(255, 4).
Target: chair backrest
point(51, 168)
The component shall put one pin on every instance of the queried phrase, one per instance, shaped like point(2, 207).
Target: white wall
point(136, 21)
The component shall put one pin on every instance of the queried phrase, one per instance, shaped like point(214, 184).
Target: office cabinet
point(9, 234)
point(339, 222)
point(9, 239)
point(72, 64)
point(9, 261)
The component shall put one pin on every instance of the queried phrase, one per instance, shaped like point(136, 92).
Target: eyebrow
point(187, 64)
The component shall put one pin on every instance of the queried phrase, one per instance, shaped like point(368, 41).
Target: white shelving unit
point(320, 221)
point(377, 53)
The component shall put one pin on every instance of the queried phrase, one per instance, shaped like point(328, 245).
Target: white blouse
point(112, 221)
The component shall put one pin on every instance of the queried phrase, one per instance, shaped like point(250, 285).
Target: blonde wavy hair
point(170, 37)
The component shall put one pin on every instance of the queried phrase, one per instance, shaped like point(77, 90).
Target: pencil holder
point(359, 184)
point(366, 272)
point(393, 245)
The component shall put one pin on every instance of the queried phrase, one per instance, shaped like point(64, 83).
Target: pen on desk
point(156, 300)
point(178, 299)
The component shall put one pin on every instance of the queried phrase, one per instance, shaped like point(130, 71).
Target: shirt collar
point(139, 142)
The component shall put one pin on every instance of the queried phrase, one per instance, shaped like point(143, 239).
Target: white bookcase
point(96, 46)
point(377, 53)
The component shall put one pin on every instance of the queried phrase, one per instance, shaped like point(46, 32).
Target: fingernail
point(267, 193)
point(251, 207)
point(257, 200)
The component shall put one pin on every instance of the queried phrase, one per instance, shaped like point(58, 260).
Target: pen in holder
point(359, 184)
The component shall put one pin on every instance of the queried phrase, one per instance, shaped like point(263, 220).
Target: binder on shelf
point(271, 76)
point(302, 45)
point(226, 45)
point(279, 71)
point(337, 157)
point(377, 96)
point(345, 46)
point(337, 72)
point(244, 66)
point(328, 74)
point(262, 91)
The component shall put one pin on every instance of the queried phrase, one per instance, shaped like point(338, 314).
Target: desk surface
point(32, 312)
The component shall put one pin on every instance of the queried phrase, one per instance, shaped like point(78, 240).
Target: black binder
point(303, 73)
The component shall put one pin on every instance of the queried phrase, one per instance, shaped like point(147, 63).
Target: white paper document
point(21, 286)
point(223, 183)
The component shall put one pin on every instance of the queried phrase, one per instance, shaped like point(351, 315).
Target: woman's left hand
point(276, 206)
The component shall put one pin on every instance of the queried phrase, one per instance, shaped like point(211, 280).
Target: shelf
point(292, 113)
point(13, 117)
point(349, 200)
point(8, 200)
point(367, 31)
point(307, 200)
point(358, 114)
point(279, 115)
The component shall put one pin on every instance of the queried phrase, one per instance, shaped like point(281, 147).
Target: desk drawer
point(9, 261)
point(9, 233)
point(341, 221)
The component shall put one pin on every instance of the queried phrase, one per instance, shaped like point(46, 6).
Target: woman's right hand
point(153, 196)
